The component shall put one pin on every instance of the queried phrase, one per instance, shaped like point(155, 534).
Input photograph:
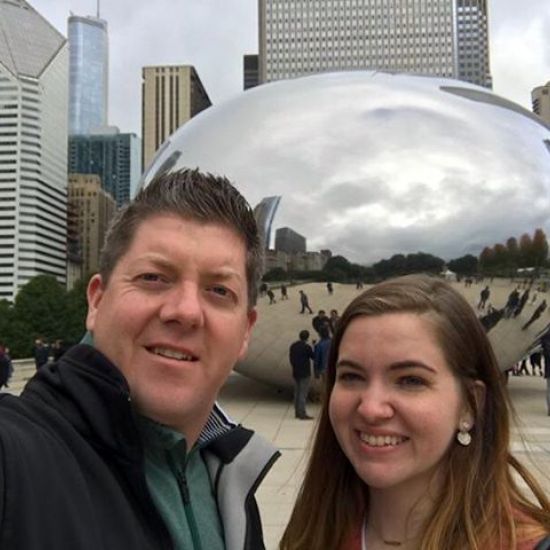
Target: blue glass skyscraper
point(88, 73)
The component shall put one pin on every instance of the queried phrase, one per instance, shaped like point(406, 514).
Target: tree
point(465, 265)
point(539, 248)
point(513, 251)
point(39, 311)
point(486, 258)
point(526, 251)
point(500, 255)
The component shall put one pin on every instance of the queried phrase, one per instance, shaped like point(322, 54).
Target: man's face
point(174, 317)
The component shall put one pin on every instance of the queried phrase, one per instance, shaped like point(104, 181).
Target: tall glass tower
point(88, 73)
point(33, 148)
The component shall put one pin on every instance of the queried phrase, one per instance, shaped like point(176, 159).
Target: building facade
point(446, 38)
point(540, 97)
point(93, 209)
point(113, 156)
point(171, 95)
point(88, 73)
point(287, 240)
point(33, 148)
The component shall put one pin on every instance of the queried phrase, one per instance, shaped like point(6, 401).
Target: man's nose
point(183, 305)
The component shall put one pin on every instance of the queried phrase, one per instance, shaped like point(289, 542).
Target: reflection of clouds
point(369, 165)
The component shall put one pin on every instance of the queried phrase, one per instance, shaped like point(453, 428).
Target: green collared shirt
point(181, 488)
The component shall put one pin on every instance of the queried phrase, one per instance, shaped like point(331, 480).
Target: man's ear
point(94, 293)
point(251, 320)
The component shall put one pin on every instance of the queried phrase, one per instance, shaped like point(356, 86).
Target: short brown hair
point(192, 195)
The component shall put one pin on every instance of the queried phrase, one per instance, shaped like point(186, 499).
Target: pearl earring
point(463, 436)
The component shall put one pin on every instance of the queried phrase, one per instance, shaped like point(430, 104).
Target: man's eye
point(150, 277)
point(219, 290)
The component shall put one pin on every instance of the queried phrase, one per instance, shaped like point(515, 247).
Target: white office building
point(33, 147)
point(435, 37)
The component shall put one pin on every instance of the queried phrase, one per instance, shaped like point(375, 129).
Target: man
point(483, 297)
point(300, 355)
point(320, 321)
point(304, 302)
point(122, 445)
point(321, 353)
point(41, 353)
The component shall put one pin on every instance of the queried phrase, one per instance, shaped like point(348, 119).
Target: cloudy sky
point(213, 35)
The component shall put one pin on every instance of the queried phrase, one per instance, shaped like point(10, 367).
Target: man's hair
point(321, 312)
point(191, 195)
point(304, 335)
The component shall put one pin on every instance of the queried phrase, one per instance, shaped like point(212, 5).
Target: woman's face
point(395, 406)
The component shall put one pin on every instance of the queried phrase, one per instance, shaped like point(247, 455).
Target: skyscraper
point(541, 101)
point(88, 73)
point(436, 37)
point(93, 208)
point(113, 156)
point(33, 147)
point(171, 95)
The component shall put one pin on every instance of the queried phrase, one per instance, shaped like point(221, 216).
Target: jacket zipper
point(190, 516)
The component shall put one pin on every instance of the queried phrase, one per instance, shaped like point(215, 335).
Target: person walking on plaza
point(545, 342)
point(536, 315)
point(41, 353)
point(330, 288)
point(511, 303)
point(333, 321)
point(284, 292)
point(5, 368)
point(304, 302)
point(300, 355)
point(271, 296)
point(483, 297)
point(120, 444)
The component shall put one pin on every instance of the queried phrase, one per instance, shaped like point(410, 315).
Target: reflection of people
point(321, 352)
point(304, 302)
point(300, 355)
point(545, 342)
point(536, 315)
point(412, 444)
point(41, 353)
point(121, 445)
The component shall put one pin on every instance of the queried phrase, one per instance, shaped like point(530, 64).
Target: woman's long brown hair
point(481, 505)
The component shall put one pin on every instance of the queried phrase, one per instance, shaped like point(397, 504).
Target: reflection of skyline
point(371, 164)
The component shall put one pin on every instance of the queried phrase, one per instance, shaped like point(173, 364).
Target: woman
point(411, 450)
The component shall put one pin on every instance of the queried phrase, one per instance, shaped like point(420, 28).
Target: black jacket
point(72, 466)
point(300, 355)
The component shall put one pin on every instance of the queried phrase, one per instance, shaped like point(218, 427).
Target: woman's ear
point(477, 390)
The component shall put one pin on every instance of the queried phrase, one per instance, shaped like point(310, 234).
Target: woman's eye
point(412, 381)
point(348, 377)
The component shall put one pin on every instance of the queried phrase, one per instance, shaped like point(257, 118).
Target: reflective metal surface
point(372, 164)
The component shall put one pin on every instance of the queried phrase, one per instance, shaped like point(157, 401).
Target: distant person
point(263, 289)
point(511, 303)
point(58, 349)
point(330, 288)
point(522, 302)
point(412, 448)
point(358, 284)
point(284, 292)
point(304, 302)
point(536, 362)
point(545, 342)
point(320, 321)
point(536, 315)
point(483, 297)
point(321, 353)
point(271, 296)
point(41, 353)
point(5, 366)
point(300, 355)
point(333, 320)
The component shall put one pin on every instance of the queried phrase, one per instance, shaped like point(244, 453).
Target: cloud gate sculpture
point(370, 164)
